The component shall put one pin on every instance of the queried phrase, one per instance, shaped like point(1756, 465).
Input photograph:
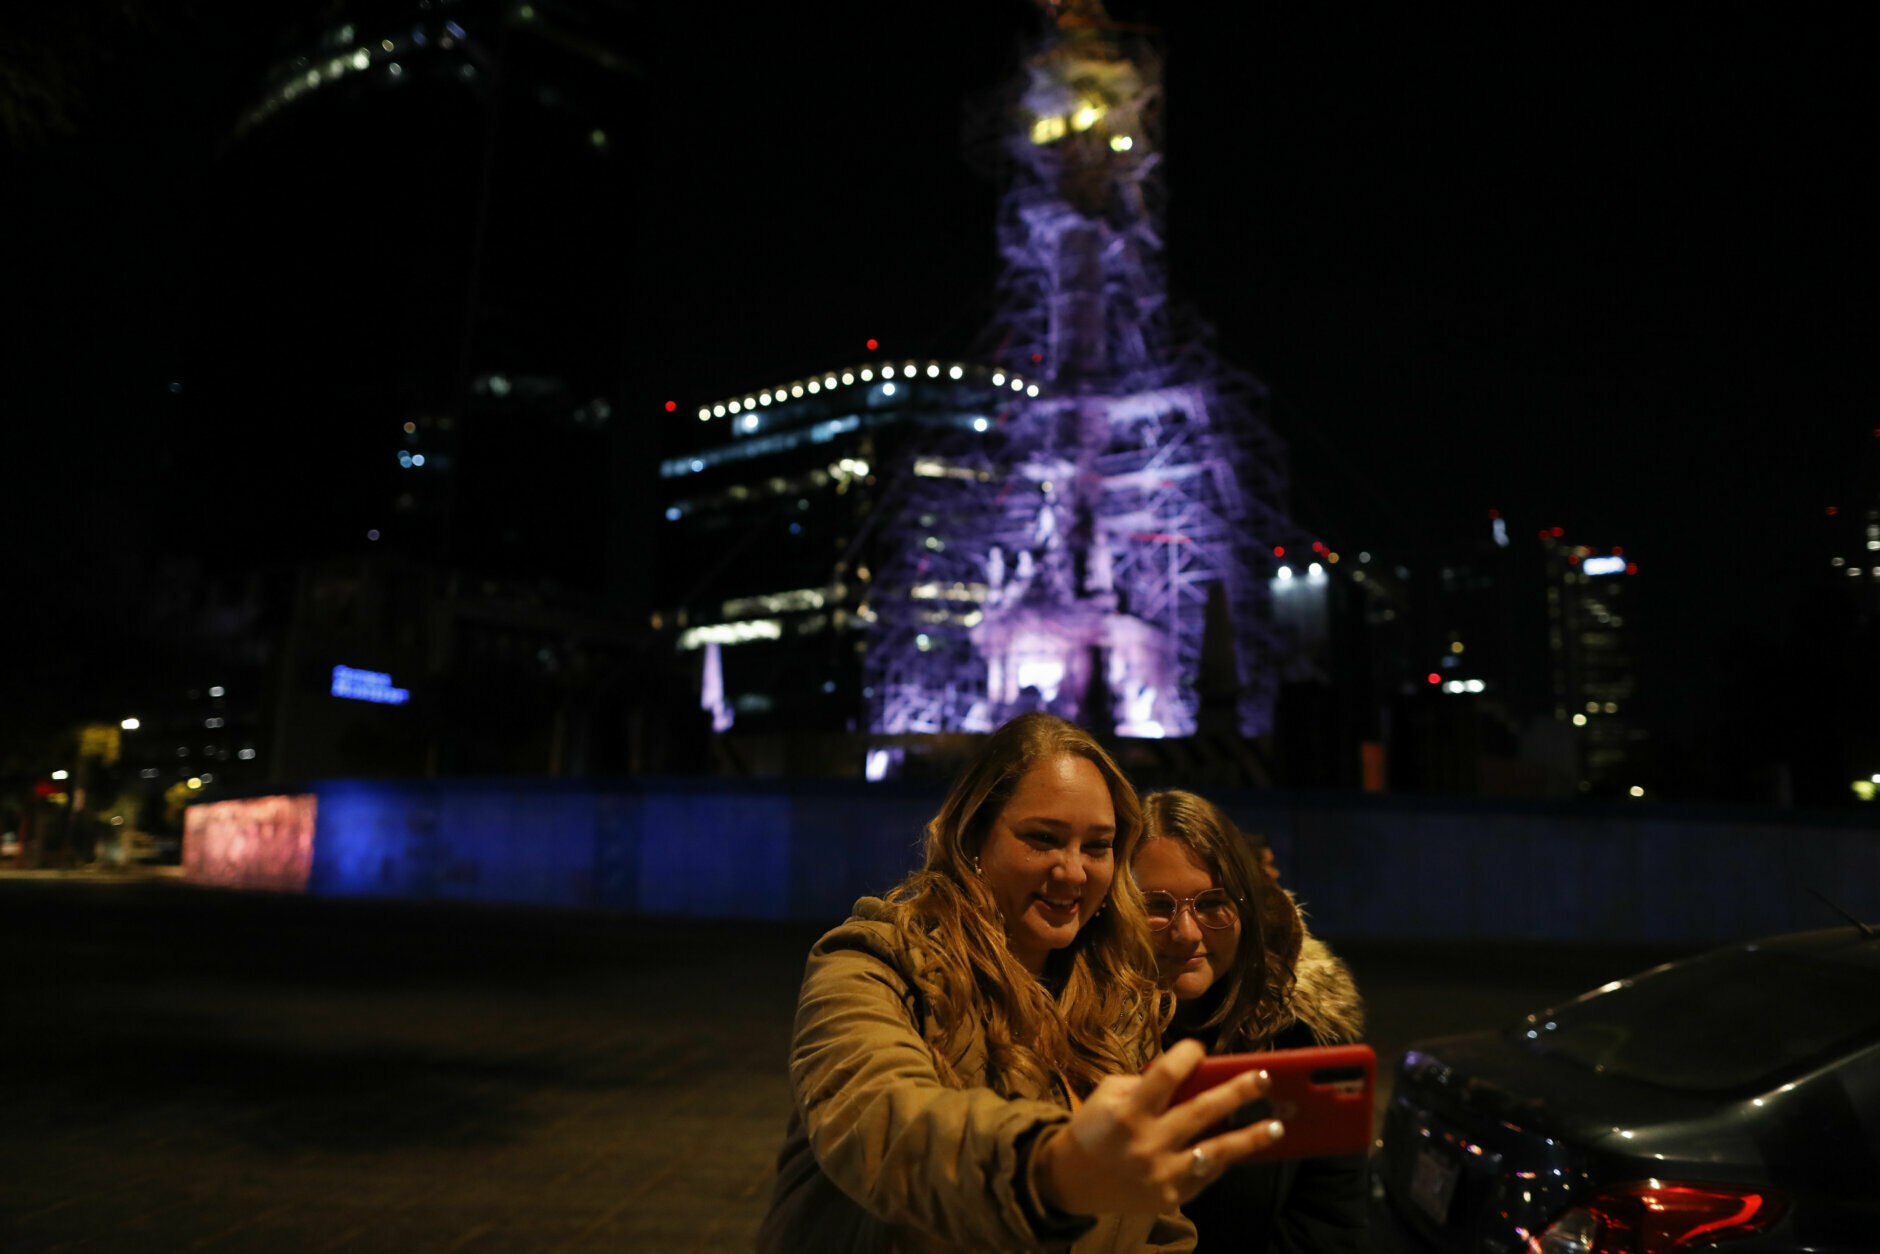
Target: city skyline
point(1590, 274)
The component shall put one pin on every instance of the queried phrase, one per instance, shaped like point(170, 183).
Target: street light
point(130, 724)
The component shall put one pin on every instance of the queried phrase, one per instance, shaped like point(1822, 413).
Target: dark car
point(1729, 1099)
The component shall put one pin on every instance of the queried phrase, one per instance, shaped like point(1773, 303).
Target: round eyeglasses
point(1214, 908)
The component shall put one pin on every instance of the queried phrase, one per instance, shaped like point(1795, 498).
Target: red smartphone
point(1323, 1095)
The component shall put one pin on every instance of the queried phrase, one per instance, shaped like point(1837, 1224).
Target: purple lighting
point(1081, 561)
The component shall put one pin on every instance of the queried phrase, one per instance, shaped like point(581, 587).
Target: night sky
point(1608, 269)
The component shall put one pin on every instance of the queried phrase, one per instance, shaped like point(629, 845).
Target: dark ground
point(187, 1069)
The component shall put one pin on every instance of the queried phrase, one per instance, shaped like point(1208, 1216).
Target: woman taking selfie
point(965, 1061)
point(1230, 944)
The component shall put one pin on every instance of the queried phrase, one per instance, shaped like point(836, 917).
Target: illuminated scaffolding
point(1068, 561)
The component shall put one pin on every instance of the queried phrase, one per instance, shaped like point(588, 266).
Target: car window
point(1732, 1021)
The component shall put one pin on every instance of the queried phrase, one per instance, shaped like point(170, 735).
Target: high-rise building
point(1591, 626)
point(778, 510)
point(423, 234)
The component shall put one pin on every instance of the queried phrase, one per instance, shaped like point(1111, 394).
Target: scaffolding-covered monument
point(1104, 554)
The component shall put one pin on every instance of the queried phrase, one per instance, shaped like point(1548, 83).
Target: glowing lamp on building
point(731, 633)
point(1604, 566)
point(374, 686)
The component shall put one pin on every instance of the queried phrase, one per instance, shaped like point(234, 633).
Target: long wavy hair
point(1259, 981)
point(1097, 1011)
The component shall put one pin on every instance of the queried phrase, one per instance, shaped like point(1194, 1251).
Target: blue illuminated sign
point(357, 685)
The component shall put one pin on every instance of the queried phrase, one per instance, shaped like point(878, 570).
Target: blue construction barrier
point(1364, 865)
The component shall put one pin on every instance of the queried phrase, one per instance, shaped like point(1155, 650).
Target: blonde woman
point(971, 1067)
point(1232, 947)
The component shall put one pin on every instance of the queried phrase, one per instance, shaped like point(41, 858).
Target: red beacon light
point(1556, 532)
point(873, 345)
point(1435, 678)
point(1631, 568)
point(672, 406)
point(1279, 550)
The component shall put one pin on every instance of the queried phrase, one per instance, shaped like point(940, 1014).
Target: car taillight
point(1657, 1216)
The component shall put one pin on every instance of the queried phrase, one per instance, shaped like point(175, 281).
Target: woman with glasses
point(1232, 947)
point(971, 1067)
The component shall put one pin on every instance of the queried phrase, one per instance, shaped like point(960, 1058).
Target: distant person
point(964, 1067)
point(1233, 948)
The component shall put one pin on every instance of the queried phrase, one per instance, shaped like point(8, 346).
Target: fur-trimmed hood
point(1325, 999)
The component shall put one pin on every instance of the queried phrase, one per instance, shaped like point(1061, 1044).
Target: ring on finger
point(1200, 1166)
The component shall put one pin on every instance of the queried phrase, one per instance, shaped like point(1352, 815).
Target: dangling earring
point(976, 870)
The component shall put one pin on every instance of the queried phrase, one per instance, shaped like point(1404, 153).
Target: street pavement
point(192, 1069)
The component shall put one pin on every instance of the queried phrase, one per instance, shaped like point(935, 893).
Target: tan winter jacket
point(881, 1156)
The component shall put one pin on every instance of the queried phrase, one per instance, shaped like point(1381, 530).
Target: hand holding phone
point(1323, 1095)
